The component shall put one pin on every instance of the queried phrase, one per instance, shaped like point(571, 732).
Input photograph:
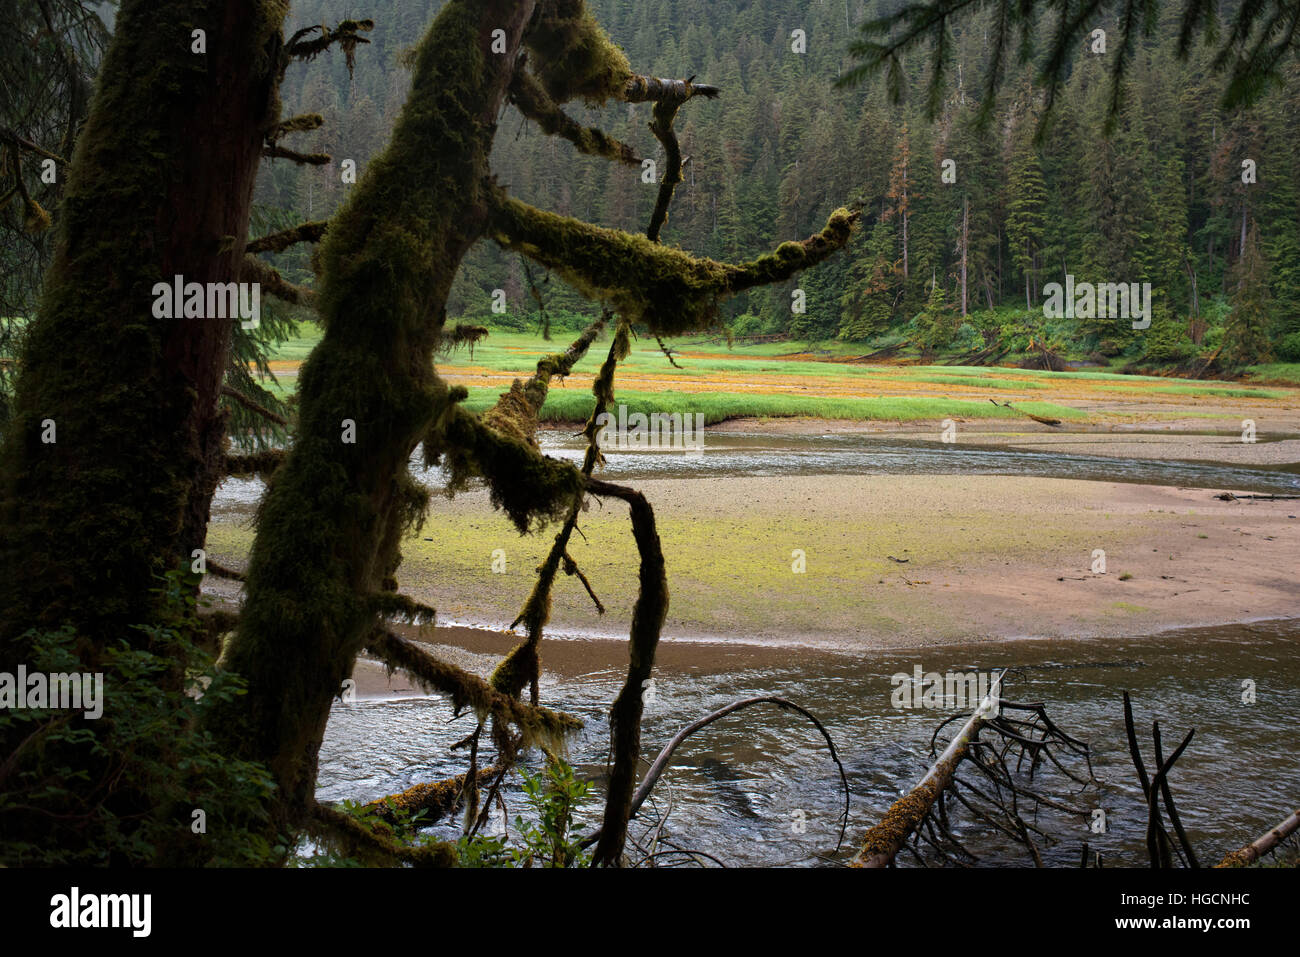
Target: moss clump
point(573, 56)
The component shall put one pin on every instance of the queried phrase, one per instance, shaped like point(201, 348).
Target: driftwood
point(1230, 497)
point(1023, 731)
point(660, 763)
point(888, 837)
point(1261, 846)
point(1036, 418)
point(438, 799)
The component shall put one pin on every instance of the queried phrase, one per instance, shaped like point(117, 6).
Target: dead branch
point(884, 840)
point(660, 763)
point(642, 89)
point(571, 568)
point(625, 716)
point(21, 142)
point(1261, 846)
point(527, 93)
point(276, 151)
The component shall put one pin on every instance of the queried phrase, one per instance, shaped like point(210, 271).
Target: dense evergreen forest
point(963, 225)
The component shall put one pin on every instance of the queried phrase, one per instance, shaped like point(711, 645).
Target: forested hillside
point(1161, 201)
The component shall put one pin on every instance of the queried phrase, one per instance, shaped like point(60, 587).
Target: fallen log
point(1036, 418)
point(1258, 848)
point(439, 799)
point(888, 837)
point(1230, 497)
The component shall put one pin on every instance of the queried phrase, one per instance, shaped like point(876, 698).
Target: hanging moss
point(521, 668)
point(528, 95)
point(537, 725)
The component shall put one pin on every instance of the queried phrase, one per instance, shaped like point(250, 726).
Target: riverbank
point(889, 561)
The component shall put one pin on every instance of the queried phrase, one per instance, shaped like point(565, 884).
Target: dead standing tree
point(321, 576)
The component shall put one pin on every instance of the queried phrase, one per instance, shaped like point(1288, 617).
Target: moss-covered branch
point(531, 488)
point(572, 55)
point(625, 716)
point(254, 463)
point(309, 232)
point(272, 283)
point(373, 847)
point(523, 665)
point(309, 42)
point(390, 604)
point(437, 799)
point(537, 725)
point(669, 290)
point(302, 123)
point(515, 412)
point(276, 151)
point(527, 93)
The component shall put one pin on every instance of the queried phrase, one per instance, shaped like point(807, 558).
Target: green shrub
point(76, 787)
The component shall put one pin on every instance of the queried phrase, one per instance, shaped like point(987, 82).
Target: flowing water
point(734, 453)
point(759, 788)
point(741, 788)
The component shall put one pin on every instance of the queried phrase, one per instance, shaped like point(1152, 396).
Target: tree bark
point(160, 185)
point(331, 523)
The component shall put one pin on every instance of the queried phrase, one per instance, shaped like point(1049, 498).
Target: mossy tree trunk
point(160, 184)
point(331, 522)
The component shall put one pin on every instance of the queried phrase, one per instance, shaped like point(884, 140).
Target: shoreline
point(564, 656)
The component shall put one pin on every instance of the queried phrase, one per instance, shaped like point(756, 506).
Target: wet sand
point(985, 558)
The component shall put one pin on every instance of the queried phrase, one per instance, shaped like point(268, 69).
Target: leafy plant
point(150, 769)
point(554, 795)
